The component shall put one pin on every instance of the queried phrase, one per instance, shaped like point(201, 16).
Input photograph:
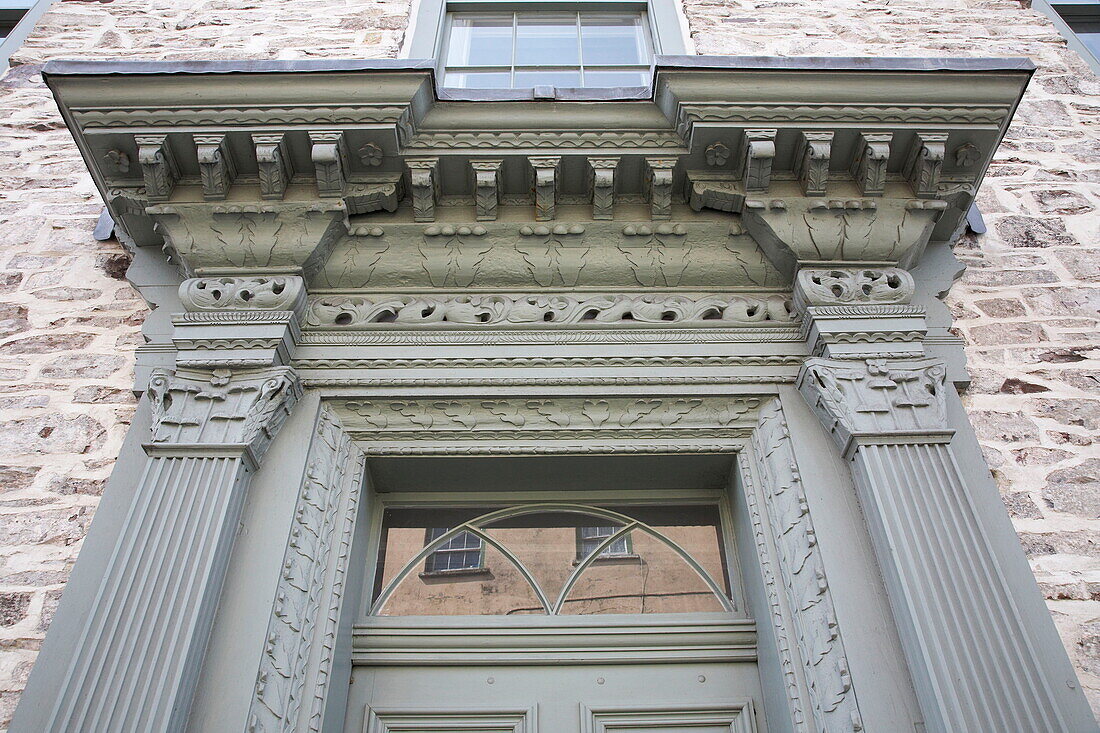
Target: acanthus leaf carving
point(925, 163)
point(878, 398)
point(221, 407)
point(158, 166)
point(330, 162)
point(759, 152)
point(659, 183)
point(785, 512)
point(273, 165)
point(603, 187)
point(842, 286)
point(360, 312)
point(869, 162)
point(554, 255)
point(545, 172)
point(301, 635)
point(658, 255)
point(486, 188)
point(216, 167)
point(424, 184)
point(812, 161)
point(453, 255)
point(277, 293)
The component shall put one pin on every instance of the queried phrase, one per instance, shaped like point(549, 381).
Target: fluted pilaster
point(136, 662)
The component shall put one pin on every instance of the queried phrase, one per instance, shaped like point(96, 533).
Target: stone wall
point(1027, 304)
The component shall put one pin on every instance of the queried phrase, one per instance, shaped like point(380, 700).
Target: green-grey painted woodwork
point(600, 298)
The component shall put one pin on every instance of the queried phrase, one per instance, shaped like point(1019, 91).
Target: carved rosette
point(878, 401)
point(221, 408)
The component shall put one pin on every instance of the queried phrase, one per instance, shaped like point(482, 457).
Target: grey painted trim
point(22, 29)
point(73, 67)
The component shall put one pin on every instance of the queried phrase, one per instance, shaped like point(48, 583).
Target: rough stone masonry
point(1027, 305)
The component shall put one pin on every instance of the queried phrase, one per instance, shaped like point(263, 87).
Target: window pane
point(477, 79)
point(526, 79)
point(616, 78)
point(480, 41)
point(546, 39)
point(608, 40)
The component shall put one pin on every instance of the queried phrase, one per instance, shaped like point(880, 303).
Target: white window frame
point(428, 23)
point(22, 29)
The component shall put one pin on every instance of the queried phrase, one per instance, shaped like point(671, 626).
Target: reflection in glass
point(610, 40)
point(479, 79)
point(546, 39)
point(567, 559)
point(547, 78)
point(484, 40)
point(593, 78)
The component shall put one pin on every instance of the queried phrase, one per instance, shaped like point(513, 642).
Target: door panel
point(669, 698)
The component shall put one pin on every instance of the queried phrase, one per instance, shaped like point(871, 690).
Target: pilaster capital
point(878, 401)
point(197, 412)
point(238, 322)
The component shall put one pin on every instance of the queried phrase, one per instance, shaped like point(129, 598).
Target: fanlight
point(616, 564)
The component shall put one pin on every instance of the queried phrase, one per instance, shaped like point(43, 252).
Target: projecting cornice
point(254, 166)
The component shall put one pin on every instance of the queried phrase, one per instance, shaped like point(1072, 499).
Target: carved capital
point(869, 162)
point(845, 286)
point(330, 162)
point(486, 188)
point(281, 293)
point(158, 166)
point(925, 161)
point(546, 185)
point(216, 168)
point(424, 182)
point(198, 410)
point(878, 401)
point(759, 155)
point(272, 163)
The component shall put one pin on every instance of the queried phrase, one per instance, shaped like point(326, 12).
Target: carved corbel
point(718, 194)
point(846, 286)
point(546, 186)
point(659, 179)
point(869, 163)
point(330, 163)
point(216, 168)
point(759, 154)
point(924, 163)
point(424, 183)
point(272, 162)
point(486, 188)
point(234, 322)
point(158, 166)
point(603, 187)
point(812, 162)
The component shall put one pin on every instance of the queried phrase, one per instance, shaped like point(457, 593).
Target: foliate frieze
point(784, 514)
point(548, 418)
point(361, 312)
point(221, 407)
point(844, 286)
point(699, 254)
point(878, 398)
point(276, 293)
